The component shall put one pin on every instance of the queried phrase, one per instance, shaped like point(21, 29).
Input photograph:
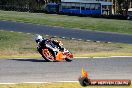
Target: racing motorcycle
point(52, 50)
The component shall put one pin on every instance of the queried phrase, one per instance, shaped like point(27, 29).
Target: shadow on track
point(34, 60)
point(30, 60)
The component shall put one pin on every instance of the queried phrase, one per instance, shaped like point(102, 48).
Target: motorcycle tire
point(48, 55)
point(68, 60)
point(84, 81)
point(69, 57)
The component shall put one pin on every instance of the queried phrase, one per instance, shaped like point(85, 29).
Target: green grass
point(14, 44)
point(57, 85)
point(22, 45)
point(87, 23)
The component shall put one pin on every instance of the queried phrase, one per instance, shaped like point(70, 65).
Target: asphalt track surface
point(66, 32)
point(37, 70)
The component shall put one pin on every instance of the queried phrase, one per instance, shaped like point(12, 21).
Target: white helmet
point(38, 38)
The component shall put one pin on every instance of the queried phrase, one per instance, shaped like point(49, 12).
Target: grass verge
point(22, 45)
point(57, 85)
point(86, 23)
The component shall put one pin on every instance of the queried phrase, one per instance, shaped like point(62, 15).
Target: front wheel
point(47, 55)
point(69, 56)
point(68, 60)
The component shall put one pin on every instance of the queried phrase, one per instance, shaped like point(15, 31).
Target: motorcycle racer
point(42, 43)
point(52, 50)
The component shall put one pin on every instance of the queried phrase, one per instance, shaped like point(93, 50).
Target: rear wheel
point(47, 55)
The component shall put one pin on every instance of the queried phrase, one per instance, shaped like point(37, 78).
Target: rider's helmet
point(38, 38)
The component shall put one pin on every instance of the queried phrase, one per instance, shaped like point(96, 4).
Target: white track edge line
point(38, 82)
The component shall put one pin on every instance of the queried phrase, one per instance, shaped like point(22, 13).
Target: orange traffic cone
point(84, 74)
